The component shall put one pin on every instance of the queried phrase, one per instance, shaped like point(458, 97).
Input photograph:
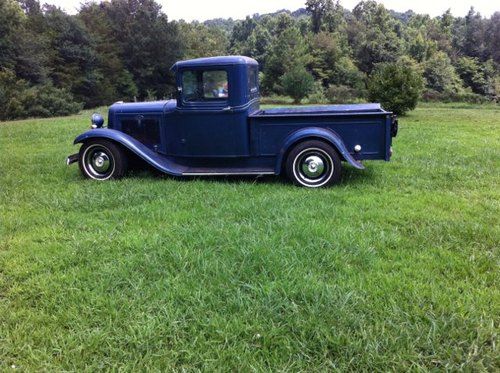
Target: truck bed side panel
point(371, 131)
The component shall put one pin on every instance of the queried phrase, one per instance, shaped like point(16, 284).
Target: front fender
point(142, 151)
point(324, 134)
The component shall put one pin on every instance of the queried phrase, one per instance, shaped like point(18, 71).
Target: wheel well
point(309, 138)
point(135, 161)
point(131, 156)
point(92, 139)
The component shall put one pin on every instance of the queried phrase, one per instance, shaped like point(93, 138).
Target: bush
point(397, 86)
point(10, 89)
point(341, 94)
point(297, 83)
point(48, 101)
point(463, 96)
point(317, 95)
point(18, 100)
point(275, 100)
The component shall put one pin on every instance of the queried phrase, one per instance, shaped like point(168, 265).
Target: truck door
point(206, 124)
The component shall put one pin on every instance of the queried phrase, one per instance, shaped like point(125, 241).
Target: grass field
point(396, 268)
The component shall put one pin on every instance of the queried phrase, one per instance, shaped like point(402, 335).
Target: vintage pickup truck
point(215, 126)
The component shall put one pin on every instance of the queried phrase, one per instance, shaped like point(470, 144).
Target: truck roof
point(214, 61)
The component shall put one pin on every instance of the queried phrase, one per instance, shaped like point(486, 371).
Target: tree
point(297, 83)
point(440, 75)
point(113, 81)
point(418, 45)
point(331, 62)
point(375, 35)
point(122, 50)
point(259, 44)
point(241, 33)
point(33, 44)
point(325, 15)
point(286, 51)
point(442, 32)
point(199, 40)
point(397, 86)
point(474, 35)
point(251, 38)
point(480, 77)
point(146, 42)
point(71, 56)
point(10, 92)
point(492, 38)
point(11, 18)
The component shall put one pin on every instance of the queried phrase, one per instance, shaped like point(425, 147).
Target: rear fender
point(149, 156)
point(316, 133)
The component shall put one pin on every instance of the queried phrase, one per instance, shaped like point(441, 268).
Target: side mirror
point(178, 93)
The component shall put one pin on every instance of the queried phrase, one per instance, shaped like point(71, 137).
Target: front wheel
point(102, 160)
point(313, 164)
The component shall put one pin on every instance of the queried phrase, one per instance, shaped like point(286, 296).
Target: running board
point(226, 171)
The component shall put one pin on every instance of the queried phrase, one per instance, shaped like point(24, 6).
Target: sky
point(202, 10)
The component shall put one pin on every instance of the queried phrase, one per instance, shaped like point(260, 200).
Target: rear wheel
point(313, 164)
point(102, 160)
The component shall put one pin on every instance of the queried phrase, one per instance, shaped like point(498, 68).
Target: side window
point(190, 86)
point(208, 85)
point(215, 84)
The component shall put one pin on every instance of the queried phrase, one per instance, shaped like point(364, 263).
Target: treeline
point(53, 63)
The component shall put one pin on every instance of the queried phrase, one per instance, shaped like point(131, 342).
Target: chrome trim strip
point(217, 108)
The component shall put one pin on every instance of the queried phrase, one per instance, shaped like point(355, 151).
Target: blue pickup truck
point(215, 126)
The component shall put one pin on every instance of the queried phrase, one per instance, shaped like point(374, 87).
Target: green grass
point(397, 268)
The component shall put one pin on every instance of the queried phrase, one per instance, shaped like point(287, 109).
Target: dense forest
point(53, 63)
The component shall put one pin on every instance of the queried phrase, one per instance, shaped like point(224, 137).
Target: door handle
point(227, 108)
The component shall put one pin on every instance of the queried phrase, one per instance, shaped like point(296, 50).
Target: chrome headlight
point(97, 120)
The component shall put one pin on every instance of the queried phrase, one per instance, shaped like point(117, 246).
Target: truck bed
point(366, 125)
point(321, 110)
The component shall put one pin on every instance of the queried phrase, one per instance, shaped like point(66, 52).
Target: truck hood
point(150, 107)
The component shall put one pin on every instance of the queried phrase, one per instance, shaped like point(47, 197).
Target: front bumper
point(73, 158)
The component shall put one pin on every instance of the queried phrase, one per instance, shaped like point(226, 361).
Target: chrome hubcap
point(100, 162)
point(313, 166)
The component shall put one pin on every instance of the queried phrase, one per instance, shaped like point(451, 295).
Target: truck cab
point(214, 99)
point(215, 126)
